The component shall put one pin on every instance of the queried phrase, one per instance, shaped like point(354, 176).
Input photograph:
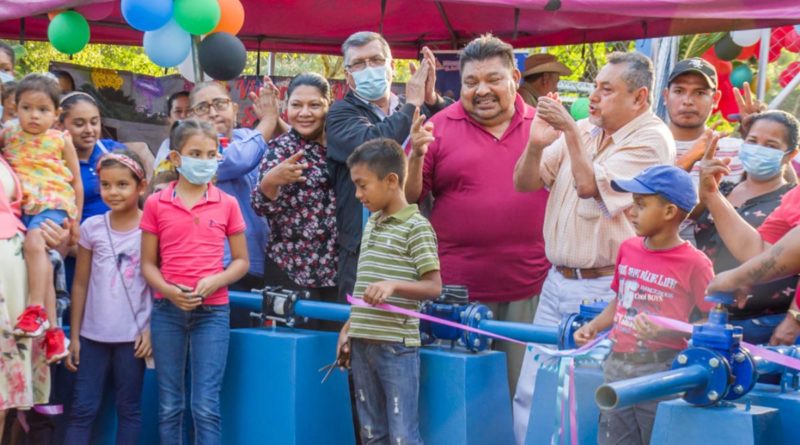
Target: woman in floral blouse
point(294, 192)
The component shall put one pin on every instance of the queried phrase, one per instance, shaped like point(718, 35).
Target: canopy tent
point(320, 26)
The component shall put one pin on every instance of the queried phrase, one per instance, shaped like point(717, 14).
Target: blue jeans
point(99, 361)
point(199, 339)
point(386, 381)
point(758, 330)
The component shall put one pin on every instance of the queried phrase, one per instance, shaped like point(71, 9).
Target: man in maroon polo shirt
point(490, 236)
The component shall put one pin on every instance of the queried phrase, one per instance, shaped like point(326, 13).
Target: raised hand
point(712, 169)
point(746, 103)
point(266, 102)
point(421, 134)
point(416, 85)
point(542, 133)
point(553, 112)
point(287, 172)
point(430, 82)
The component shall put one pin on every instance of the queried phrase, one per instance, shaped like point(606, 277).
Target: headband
point(125, 160)
point(77, 93)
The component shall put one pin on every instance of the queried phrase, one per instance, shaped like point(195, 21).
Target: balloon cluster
point(168, 28)
point(68, 30)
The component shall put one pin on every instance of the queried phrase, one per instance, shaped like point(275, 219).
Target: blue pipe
point(246, 300)
point(526, 332)
point(322, 311)
point(650, 387)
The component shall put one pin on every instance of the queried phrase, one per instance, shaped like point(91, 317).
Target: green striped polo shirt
point(401, 247)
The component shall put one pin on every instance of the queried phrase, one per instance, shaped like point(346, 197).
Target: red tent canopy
point(320, 26)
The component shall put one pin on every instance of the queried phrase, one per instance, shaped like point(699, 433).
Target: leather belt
point(646, 357)
point(585, 274)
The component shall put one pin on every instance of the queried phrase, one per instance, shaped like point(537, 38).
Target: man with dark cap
point(540, 77)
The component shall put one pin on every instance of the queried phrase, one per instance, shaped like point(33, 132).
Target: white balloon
point(186, 68)
point(746, 38)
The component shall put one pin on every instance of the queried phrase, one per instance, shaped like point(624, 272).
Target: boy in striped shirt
point(398, 265)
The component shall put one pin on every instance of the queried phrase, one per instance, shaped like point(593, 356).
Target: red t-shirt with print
point(669, 283)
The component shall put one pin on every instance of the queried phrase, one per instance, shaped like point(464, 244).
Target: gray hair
point(639, 73)
point(363, 38)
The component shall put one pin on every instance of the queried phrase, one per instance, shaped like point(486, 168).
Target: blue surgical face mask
point(198, 171)
point(371, 83)
point(5, 76)
point(761, 162)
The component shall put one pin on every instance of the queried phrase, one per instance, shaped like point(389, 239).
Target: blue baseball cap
point(672, 183)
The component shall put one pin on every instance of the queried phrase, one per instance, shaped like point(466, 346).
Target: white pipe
point(776, 102)
point(763, 61)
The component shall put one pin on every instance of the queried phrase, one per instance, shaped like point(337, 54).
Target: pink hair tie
point(127, 161)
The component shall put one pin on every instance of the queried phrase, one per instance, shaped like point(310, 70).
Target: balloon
point(754, 84)
point(52, 14)
point(68, 32)
point(725, 49)
point(197, 16)
point(722, 66)
point(167, 46)
point(579, 109)
point(797, 29)
point(776, 43)
point(789, 73)
point(727, 104)
point(748, 52)
point(746, 38)
point(186, 68)
point(222, 55)
point(791, 40)
point(97, 11)
point(146, 15)
point(231, 18)
point(741, 74)
point(710, 56)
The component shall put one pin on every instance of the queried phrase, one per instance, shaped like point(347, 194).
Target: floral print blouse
point(302, 219)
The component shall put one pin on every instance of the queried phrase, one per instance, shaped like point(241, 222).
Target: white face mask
point(6, 76)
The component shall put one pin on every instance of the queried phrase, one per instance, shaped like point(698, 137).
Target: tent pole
point(271, 67)
point(258, 57)
point(778, 100)
point(763, 61)
point(22, 31)
point(198, 70)
point(446, 20)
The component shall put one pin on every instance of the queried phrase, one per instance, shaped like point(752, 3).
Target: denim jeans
point(386, 380)
point(99, 361)
point(199, 339)
point(758, 330)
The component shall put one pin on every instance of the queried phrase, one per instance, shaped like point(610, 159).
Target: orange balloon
point(52, 14)
point(231, 18)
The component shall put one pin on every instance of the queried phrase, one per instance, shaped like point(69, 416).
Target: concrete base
point(787, 404)
point(464, 398)
point(679, 423)
point(543, 418)
point(272, 391)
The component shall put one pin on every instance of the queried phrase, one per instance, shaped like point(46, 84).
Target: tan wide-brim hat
point(544, 63)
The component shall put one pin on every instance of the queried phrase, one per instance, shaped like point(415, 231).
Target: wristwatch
point(795, 314)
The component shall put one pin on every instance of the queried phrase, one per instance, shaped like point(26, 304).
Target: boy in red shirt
point(657, 273)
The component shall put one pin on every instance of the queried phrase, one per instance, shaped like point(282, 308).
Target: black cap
point(695, 65)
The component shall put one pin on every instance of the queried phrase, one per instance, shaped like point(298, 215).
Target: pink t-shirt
point(191, 242)
point(668, 283)
point(783, 219)
point(490, 235)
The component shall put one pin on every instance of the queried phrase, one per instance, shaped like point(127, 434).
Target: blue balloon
point(797, 29)
point(146, 15)
point(167, 46)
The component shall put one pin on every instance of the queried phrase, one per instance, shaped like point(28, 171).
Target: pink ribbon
point(766, 354)
point(409, 313)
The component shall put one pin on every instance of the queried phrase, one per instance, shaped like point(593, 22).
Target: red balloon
point(791, 40)
point(723, 67)
point(789, 73)
point(748, 52)
point(710, 56)
point(774, 54)
point(727, 104)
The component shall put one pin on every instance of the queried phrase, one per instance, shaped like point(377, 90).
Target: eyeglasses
point(203, 108)
point(373, 62)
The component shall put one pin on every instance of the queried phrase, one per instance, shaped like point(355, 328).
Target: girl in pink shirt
point(110, 304)
point(184, 229)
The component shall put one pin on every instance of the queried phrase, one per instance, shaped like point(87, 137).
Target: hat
point(544, 63)
point(672, 183)
point(695, 65)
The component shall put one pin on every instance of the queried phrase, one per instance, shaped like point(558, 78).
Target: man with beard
point(585, 220)
point(490, 236)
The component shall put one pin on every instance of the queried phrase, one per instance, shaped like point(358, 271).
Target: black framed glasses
point(201, 109)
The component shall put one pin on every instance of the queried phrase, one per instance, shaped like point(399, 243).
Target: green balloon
point(579, 109)
point(68, 32)
point(196, 16)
